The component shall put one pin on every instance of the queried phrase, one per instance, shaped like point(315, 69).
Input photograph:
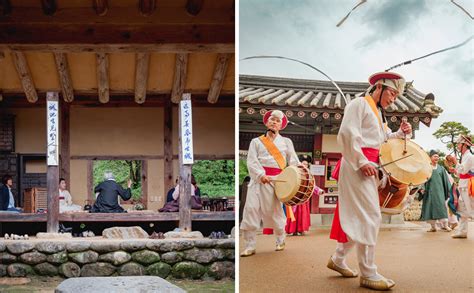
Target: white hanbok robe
point(65, 204)
point(466, 203)
point(359, 208)
point(261, 202)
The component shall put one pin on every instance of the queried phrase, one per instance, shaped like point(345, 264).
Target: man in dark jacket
point(7, 201)
point(109, 190)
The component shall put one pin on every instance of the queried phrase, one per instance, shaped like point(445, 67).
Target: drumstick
point(381, 166)
point(278, 180)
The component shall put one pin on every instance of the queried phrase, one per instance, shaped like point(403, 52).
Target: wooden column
point(145, 183)
point(52, 184)
point(319, 180)
point(185, 223)
point(64, 142)
point(179, 80)
point(168, 145)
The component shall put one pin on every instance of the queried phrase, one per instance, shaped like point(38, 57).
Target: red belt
point(270, 171)
point(466, 176)
point(370, 153)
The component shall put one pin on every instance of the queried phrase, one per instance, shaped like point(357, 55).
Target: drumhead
point(288, 184)
point(414, 170)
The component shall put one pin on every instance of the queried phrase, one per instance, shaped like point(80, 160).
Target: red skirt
point(336, 230)
point(302, 219)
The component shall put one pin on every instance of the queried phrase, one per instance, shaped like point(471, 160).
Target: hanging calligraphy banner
point(52, 114)
point(186, 132)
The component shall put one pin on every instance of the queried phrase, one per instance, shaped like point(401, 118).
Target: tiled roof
point(322, 95)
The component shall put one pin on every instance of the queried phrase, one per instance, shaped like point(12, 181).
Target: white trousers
point(466, 210)
point(443, 223)
point(365, 256)
point(250, 238)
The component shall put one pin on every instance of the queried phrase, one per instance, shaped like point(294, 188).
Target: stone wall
point(180, 259)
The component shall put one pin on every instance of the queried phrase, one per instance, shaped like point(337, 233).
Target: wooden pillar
point(52, 172)
point(64, 142)
point(319, 180)
point(144, 183)
point(168, 145)
point(185, 223)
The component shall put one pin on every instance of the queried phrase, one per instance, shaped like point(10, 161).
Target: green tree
point(215, 178)
point(448, 132)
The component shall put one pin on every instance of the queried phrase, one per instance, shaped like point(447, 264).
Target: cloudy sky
point(377, 35)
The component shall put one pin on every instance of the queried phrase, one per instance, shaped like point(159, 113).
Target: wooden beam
point(130, 157)
point(180, 72)
point(64, 144)
point(144, 179)
point(6, 7)
point(103, 77)
point(218, 78)
point(141, 76)
point(193, 7)
point(101, 7)
point(168, 145)
point(147, 7)
point(185, 222)
point(49, 6)
point(110, 33)
point(52, 185)
point(64, 76)
point(199, 157)
point(123, 48)
point(24, 74)
point(135, 216)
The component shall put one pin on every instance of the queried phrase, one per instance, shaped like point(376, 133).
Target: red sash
point(336, 230)
point(470, 184)
point(270, 172)
point(466, 176)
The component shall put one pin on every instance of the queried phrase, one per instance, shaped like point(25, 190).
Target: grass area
point(40, 284)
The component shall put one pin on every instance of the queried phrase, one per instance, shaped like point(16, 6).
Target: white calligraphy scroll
point(186, 132)
point(52, 132)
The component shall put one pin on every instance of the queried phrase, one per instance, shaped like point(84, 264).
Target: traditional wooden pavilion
point(317, 109)
point(118, 69)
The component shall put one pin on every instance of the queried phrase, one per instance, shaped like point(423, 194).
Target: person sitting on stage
point(65, 199)
point(268, 155)
point(465, 170)
point(7, 201)
point(109, 190)
point(357, 217)
point(194, 190)
point(435, 193)
point(169, 194)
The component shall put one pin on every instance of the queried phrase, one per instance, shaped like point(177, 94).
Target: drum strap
point(274, 151)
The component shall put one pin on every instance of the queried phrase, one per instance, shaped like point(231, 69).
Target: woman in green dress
point(434, 194)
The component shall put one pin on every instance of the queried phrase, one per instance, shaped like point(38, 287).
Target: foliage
point(243, 170)
point(122, 170)
point(215, 178)
point(448, 132)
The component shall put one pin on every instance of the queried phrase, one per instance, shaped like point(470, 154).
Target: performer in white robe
point(261, 203)
point(360, 136)
point(465, 170)
point(65, 199)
